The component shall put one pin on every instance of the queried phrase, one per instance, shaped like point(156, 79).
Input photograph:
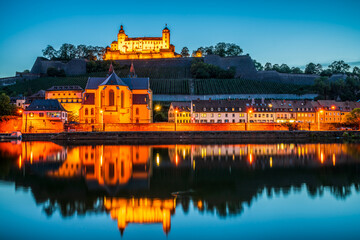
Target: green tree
point(268, 66)
point(356, 71)
point(322, 87)
point(339, 67)
point(67, 51)
point(50, 52)
point(276, 67)
point(6, 108)
point(185, 52)
point(284, 68)
point(233, 50)
point(326, 73)
point(313, 68)
point(81, 51)
point(296, 70)
point(258, 66)
point(353, 118)
point(220, 49)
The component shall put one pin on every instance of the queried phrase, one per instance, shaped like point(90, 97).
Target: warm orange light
point(176, 111)
point(20, 161)
point(271, 162)
point(20, 111)
point(157, 107)
point(333, 107)
point(250, 111)
point(322, 158)
point(101, 111)
point(250, 158)
point(176, 159)
point(199, 204)
point(321, 111)
point(333, 159)
point(157, 159)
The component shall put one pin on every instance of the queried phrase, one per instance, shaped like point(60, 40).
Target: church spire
point(111, 69)
point(132, 73)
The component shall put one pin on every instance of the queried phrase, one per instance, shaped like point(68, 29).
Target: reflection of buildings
point(141, 210)
point(256, 155)
point(105, 166)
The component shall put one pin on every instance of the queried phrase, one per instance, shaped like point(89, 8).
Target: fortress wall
point(73, 67)
point(244, 65)
point(273, 76)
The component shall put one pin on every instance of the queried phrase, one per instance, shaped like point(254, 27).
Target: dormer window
point(226, 109)
point(219, 109)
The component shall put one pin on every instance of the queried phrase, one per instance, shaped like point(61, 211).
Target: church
point(111, 100)
point(140, 47)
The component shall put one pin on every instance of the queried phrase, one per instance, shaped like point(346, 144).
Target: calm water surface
point(248, 191)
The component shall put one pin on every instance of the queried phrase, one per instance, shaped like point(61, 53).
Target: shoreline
point(171, 137)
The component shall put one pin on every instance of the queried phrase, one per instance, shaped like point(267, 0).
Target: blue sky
point(292, 32)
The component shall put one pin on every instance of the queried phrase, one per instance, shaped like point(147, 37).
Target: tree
point(50, 52)
point(322, 87)
point(356, 71)
point(296, 70)
point(67, 51)
point(339, 67)
point(326, 73)
point(220, 49)
point(6, 108)
point(185, 52)
point(268, 66)
point(313, 68)
point(258, 66)
point(276, 67)
point(233, 50)
point(208, 50)
point(353, 118)
point(284, 68)
point(81, 51)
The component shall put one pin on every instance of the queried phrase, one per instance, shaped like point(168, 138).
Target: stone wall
point(72, 68)
point(10, 124)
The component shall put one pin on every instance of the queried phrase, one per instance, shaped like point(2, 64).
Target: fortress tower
point(140, 48)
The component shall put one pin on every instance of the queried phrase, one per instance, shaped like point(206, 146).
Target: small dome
point(121, 29)
point(114, 42)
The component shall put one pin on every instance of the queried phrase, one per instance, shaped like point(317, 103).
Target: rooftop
point(45, 105)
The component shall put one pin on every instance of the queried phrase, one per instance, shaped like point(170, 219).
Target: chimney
point(262, 100)
point(252, 101)
point(209, 99)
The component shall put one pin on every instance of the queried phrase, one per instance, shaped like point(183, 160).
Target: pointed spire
point(132, 73)
point(111, 69)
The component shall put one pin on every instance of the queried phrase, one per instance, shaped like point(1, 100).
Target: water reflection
point(145, 184)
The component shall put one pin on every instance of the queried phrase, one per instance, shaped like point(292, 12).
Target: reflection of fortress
point(141, 210)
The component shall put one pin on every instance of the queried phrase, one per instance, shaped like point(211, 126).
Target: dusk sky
point(292, 32)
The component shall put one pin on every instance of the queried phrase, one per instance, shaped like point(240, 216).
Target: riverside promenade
point(163, 137)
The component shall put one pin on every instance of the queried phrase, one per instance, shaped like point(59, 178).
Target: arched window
point(122, 99)
point(111, 97)
point(137, 111)
point(86, 111)
point(92, 111)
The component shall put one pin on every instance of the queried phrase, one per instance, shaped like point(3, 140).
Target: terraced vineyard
point(239, 86)
point(169, 86)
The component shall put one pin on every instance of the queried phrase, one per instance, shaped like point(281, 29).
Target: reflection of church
point(141, 210)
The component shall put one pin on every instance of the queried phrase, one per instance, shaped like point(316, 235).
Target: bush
point(201, 70)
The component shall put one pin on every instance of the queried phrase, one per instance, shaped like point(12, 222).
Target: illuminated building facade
point(44, 116)
point(305, 111)
point(260, 111)
point(181, 111)
point(219, 111)
point(111, 100)
point(140, 48)
point(70, 98)
point(284, 111)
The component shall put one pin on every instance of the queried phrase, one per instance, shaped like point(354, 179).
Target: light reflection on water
point(180, 189)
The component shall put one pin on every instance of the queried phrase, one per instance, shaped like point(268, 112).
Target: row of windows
point(64, 94)
point(305, 115)
point(219, 121)
point(204, 115)
point(262, 115)
point(49, 114)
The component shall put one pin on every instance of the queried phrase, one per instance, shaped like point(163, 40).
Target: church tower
point(166, 37)
point(121, 38)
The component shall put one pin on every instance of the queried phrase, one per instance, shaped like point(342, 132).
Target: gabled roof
point(45, 105)
point(137, 83)
point(113, 79)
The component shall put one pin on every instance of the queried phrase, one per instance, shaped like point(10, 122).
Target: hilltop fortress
point(141, 47)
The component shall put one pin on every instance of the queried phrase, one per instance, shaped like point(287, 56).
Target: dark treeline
point(222, 49)
point(336, 67)
point(68, 51)
point(202, 70)
point(343, 89)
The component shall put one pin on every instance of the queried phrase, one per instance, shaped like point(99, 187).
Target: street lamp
point(320, 112)
point(102, 119)
point(176, 112)
point(248, 123)
point(157, 108)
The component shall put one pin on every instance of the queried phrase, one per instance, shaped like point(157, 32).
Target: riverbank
point(171, 137)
